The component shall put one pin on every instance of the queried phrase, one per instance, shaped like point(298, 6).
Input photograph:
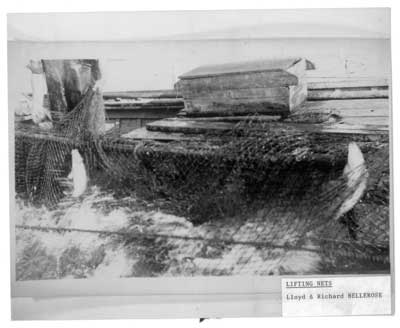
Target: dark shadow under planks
point(141, 113)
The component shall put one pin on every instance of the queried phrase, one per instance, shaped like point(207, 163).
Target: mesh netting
point(253, 198)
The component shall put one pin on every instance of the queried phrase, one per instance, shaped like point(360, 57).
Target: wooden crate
point(265, 87)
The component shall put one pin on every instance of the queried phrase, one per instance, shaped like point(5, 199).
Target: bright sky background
point(121, 26)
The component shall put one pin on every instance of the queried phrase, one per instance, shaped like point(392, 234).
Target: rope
point(160, 235)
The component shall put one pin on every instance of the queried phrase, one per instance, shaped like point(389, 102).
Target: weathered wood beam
point(193, 126)
point(350, 111)
point(230, 107)
point(144, 134)
point(348, 107)
point(177, 125)
point(168, 93)
point(348, 93)
point(236, 119)
point(367, 120)
point(330, 82)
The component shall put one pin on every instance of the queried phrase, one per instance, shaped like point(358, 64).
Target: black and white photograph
point(200, 144)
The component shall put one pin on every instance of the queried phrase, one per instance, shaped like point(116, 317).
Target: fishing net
point(254, 199)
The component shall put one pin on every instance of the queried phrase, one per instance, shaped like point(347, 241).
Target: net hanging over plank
point(269, 189)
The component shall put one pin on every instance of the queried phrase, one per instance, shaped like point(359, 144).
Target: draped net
point(259, 194)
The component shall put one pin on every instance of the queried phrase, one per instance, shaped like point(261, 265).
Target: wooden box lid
point(267, 65)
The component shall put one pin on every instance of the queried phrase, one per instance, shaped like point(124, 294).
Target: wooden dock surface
point(346, 105)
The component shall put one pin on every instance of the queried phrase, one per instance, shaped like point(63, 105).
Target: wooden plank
point(355, 131)
point(346, 128)
point(348, 107)
point(178, 125)
point(236, 119)
point(223, 102)
point(367, 120)
point(314, 82)
point(347, 104)
point(378, 112)
point(341, 127)
point(145, 134)
point(348, 93)
point(166, 93)
point(202, 127)
point(204, 107)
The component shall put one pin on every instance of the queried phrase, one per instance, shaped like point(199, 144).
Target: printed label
point(336, 296)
